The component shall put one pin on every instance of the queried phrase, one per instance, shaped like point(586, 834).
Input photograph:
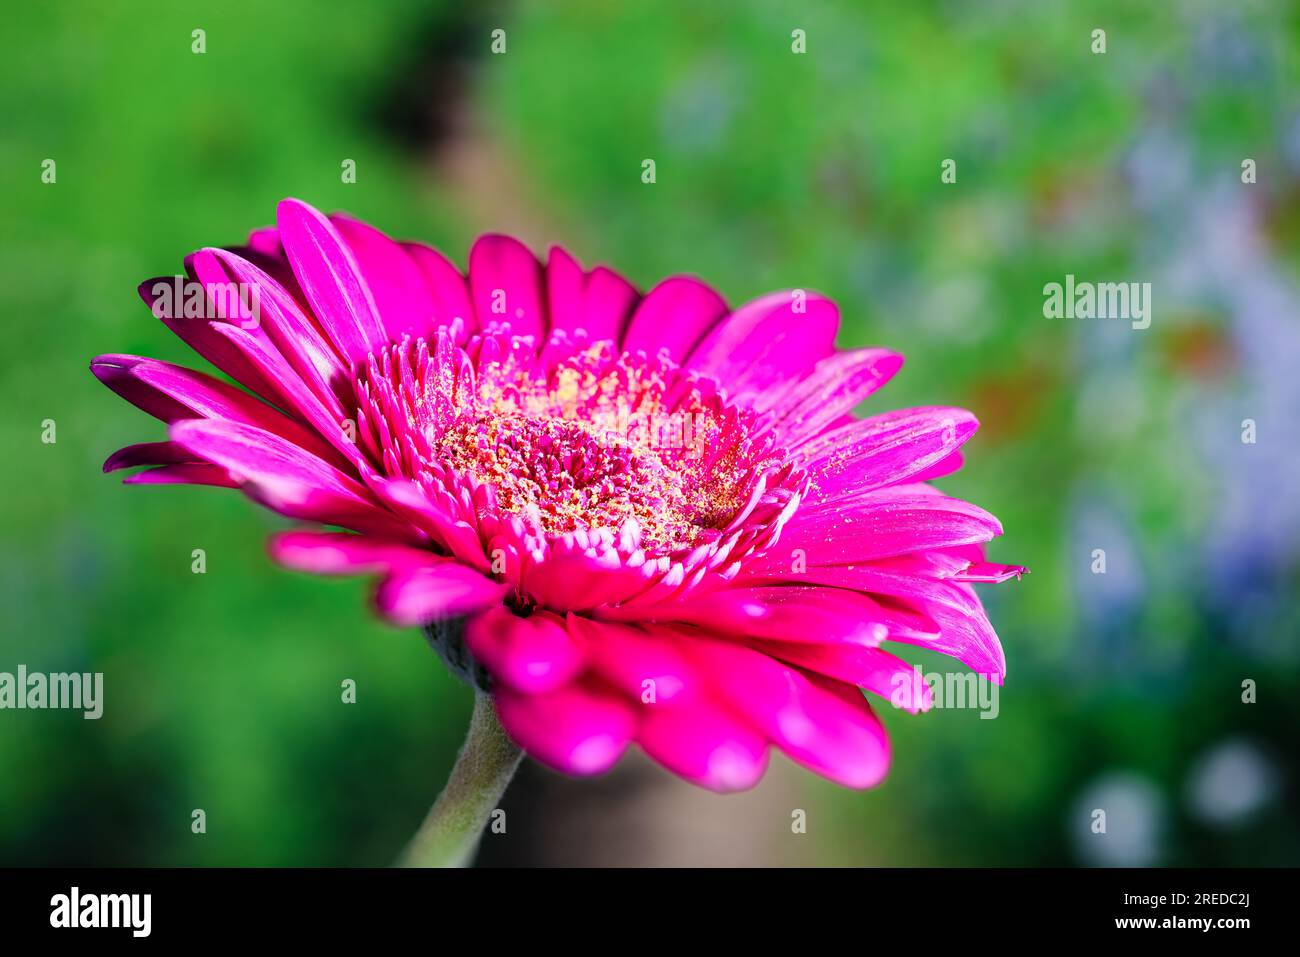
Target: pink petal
point(400, 291)
point(446, 285)
point(413, 504)
point(837, 384)
point(885, 523)
point(200, 336)
point(813, 722)
point(989, 572)
point(581, 728)
point(266, 241)
point(565, 292)
point(642, 662)
point(674, 315)
point(575, 578)
point(502, 265)
point(418, 594)
point(294, 334)
point(186, 473)
point(286, 478)
point(766, 342)
point(172, 393)
point(331, 279)
point(938, 470)
point(594, 304)
point(785, 613)
point(872, 669)
point(342, 553)
point(705, 744)
point(884, 450)
point(326, 424)
point(147, 453)
point(607, 299)
point(533, 654)
point(964, 631)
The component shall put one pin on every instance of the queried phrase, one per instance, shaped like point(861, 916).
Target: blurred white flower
point(1132, 811)
point(1230, 782)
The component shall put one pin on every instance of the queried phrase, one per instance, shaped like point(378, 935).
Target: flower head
point(651, 518)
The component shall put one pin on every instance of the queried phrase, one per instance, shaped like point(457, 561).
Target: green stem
point(488, 759)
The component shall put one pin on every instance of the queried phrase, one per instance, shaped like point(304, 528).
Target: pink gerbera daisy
point(633, 517)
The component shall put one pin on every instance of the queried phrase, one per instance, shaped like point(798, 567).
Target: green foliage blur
point(774, 169)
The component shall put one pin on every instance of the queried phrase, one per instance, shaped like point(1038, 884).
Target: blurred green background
point(774, 169)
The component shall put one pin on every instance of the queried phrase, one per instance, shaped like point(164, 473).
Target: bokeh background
point(774, 169)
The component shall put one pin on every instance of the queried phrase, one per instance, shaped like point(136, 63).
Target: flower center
point(596, 440)
point(567, 474)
